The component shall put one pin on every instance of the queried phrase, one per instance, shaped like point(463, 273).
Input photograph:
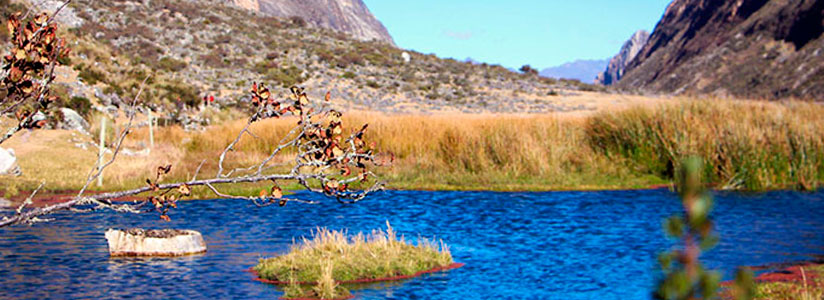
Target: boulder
point(8, 162)
point(73, 121)
point(165, 242)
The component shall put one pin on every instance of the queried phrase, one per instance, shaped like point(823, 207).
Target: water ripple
point(558, 245)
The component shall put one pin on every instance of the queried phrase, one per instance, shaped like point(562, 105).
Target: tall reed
point(746, 145)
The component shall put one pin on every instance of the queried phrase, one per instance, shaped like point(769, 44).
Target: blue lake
point(555, 245)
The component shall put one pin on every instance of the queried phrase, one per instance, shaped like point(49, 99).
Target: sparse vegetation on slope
point(212, 48)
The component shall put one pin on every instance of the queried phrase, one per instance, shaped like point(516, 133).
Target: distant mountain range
point(583, 70)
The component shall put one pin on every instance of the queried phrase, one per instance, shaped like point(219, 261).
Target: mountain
point(615, 68)
point(198, 48)
point(742, 48)
point(583, 70)
point(349, 16)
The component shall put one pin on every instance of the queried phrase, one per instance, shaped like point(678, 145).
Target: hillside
point(203, 48)
point(748, 49)
point(349, 16)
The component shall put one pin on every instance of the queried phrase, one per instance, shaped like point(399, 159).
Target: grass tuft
point(380, 254)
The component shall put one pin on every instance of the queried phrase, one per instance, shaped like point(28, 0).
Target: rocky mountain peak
point(741, 48)
point(348, 16)
point(617, 65)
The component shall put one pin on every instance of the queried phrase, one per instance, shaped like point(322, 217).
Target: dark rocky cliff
point(742, 48)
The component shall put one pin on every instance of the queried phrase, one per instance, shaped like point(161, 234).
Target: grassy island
point(331, 257)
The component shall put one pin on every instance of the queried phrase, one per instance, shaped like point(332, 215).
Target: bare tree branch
point(28, 200)
point(316, 167)
point(118, 145)
point(324, 159)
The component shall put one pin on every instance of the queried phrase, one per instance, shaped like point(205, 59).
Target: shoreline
point(784, 281)
point(49, 197)
point(369, 280)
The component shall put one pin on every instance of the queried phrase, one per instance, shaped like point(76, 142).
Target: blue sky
point(542, 33)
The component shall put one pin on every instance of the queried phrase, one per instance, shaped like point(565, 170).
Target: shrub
point(372, 84)
point(91, 76)
point(297, 21)
point(223, 39)
point(177, 90)
point(213, 60)
point(287, 77)
point(170, 64)
point(349, 75)
point(350, 58)
point(81, 105)
point(272, 55)
point(527, 69)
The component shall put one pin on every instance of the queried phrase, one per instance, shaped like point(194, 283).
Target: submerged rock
point(165, 242)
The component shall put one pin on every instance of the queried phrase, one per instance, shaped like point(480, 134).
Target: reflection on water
point(563, 245)
point(166, 265)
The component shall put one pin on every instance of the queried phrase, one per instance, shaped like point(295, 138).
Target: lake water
point(555, 245)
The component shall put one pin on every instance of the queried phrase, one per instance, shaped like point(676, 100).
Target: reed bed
point(745, 145)
point(748, 145)
point(457, 152)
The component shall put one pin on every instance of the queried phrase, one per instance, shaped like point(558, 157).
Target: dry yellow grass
point(332, 256)
point(598, 150)
point(745, 145)
point(329, 253)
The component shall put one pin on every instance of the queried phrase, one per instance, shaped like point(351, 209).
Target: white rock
point(406, 57)
point(8, 162)
point(4, 203)
point(166, 242)
point(73, 121)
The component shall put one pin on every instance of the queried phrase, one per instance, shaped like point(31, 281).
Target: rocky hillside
point(743, 48)
point(617, 65)
point(349, 16)
point(199, 48)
